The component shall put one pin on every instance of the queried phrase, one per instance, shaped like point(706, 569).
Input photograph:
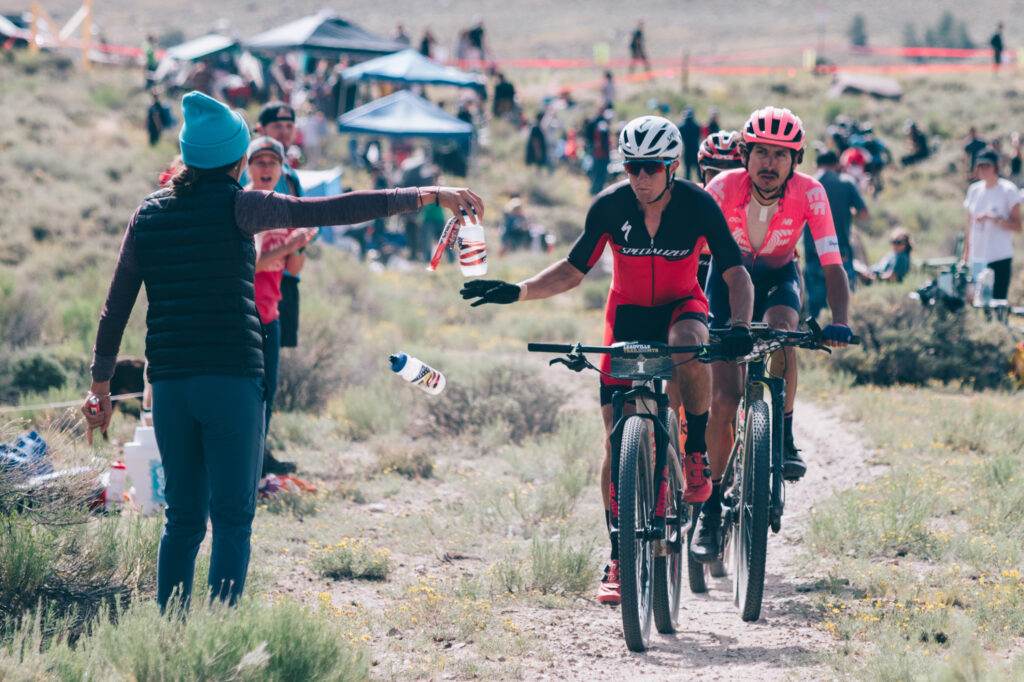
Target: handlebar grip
point(549, 347)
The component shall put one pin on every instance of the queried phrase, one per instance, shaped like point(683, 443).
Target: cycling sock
point(696, 424)
point(714, 499)
point(613, 536)
point(787, 426)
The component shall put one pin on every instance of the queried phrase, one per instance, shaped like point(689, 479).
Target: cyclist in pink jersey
point(766, 204)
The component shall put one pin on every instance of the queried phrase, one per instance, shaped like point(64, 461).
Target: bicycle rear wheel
point(636, 499)
point(668, 569)
point(750, 538)
point(695, 569)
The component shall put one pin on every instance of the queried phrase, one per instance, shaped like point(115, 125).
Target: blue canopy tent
point(409, 66)
point(322, 183)
point(403, 114)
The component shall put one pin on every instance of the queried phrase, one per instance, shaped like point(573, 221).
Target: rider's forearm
point(838, 287)
point(553, 280)
point(741, 294)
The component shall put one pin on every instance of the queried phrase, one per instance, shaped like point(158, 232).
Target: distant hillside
point(528, 28)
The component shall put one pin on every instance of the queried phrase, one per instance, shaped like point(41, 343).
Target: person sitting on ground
point(918, 142)
point(893, 266)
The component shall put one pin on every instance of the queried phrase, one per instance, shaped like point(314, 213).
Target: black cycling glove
point(490, 291)
point(737, 342)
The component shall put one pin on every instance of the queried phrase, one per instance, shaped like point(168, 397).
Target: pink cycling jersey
point(804, 201)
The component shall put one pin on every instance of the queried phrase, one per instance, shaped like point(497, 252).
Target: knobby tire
point(668, 570)
point(750, 538)
point(635, 496)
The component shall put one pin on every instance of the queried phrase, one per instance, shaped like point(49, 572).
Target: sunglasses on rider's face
point(635, 167)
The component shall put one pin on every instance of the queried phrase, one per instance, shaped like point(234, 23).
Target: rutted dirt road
point(714, 644)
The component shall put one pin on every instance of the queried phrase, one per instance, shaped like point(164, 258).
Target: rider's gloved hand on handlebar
point(490, 291)
point(737, 342)
point(837, 335)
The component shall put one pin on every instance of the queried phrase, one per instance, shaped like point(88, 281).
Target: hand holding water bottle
point(97, 408)
point(461, 201)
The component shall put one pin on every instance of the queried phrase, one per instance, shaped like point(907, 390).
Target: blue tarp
point(321, 33)
point(409, 66)
point(403, 114)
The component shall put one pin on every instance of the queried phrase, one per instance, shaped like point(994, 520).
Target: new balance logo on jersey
point(626, 227)
point(817, 200)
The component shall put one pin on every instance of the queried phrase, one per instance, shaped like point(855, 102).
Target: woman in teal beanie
point(191, 244)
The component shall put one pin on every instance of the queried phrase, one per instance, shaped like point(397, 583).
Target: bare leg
point(691, 382)
point(727, 388)
point(786, 319)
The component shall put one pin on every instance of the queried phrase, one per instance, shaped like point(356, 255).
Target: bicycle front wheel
point(668, 568)
point(636, 498)
point(749, 542)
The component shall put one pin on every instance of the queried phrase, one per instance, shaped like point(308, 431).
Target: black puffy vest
point(198, 269)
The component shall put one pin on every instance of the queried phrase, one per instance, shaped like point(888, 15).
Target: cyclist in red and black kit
point(766, 204)
point(656, 226)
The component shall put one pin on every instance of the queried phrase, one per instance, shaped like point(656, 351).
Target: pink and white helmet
point(773, 125)
point(720, 150)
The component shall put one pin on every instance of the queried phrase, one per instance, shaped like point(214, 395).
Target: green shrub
point(519, 396)
point(907, 343)
point(351, 558)
point(256, 641)
point(309, 374)
point(554, 567)
point(412, 459)
point(36, 372)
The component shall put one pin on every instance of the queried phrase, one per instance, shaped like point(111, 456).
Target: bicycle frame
point(664, 452)
point(760, 385)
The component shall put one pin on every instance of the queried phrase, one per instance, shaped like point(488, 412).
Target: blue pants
point(271, 361)
point(210, 433)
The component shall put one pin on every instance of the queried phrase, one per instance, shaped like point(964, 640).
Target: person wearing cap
point(846, 203)
point(276, 120)
point(266, 159)
point(191, 244)
point(993, 215)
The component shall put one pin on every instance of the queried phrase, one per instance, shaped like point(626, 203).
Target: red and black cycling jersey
point(654, 271)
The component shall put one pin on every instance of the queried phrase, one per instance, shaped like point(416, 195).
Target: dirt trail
point(714, 644)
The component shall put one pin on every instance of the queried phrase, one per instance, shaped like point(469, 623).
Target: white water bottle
point(113, 496)
point(472, 249)
point(417, 373)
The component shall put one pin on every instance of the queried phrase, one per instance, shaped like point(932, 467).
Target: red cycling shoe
point(698, 477)
point(609, 592)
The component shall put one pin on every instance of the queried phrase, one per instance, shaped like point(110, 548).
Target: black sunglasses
point(634, 167)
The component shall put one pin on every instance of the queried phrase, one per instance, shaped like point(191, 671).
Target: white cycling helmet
point(650, 137)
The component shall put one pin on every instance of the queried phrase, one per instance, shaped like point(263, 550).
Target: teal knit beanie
point(213, 135)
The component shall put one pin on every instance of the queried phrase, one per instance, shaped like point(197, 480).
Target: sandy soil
point(714, 643)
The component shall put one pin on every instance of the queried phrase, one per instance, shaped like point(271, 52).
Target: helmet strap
point(668, 183)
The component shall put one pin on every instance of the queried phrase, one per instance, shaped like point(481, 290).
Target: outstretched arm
point(553, 280)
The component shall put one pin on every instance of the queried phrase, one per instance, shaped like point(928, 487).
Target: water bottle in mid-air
point(417, 373)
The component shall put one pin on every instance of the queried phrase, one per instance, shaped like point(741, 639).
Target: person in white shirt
point(993, 215)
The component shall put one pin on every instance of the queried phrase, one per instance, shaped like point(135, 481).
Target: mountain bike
point(753, 490)
point(650, 518)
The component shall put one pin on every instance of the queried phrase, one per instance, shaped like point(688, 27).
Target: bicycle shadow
point(711, 632)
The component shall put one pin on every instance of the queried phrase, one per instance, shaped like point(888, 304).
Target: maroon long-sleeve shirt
point(255, 211)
